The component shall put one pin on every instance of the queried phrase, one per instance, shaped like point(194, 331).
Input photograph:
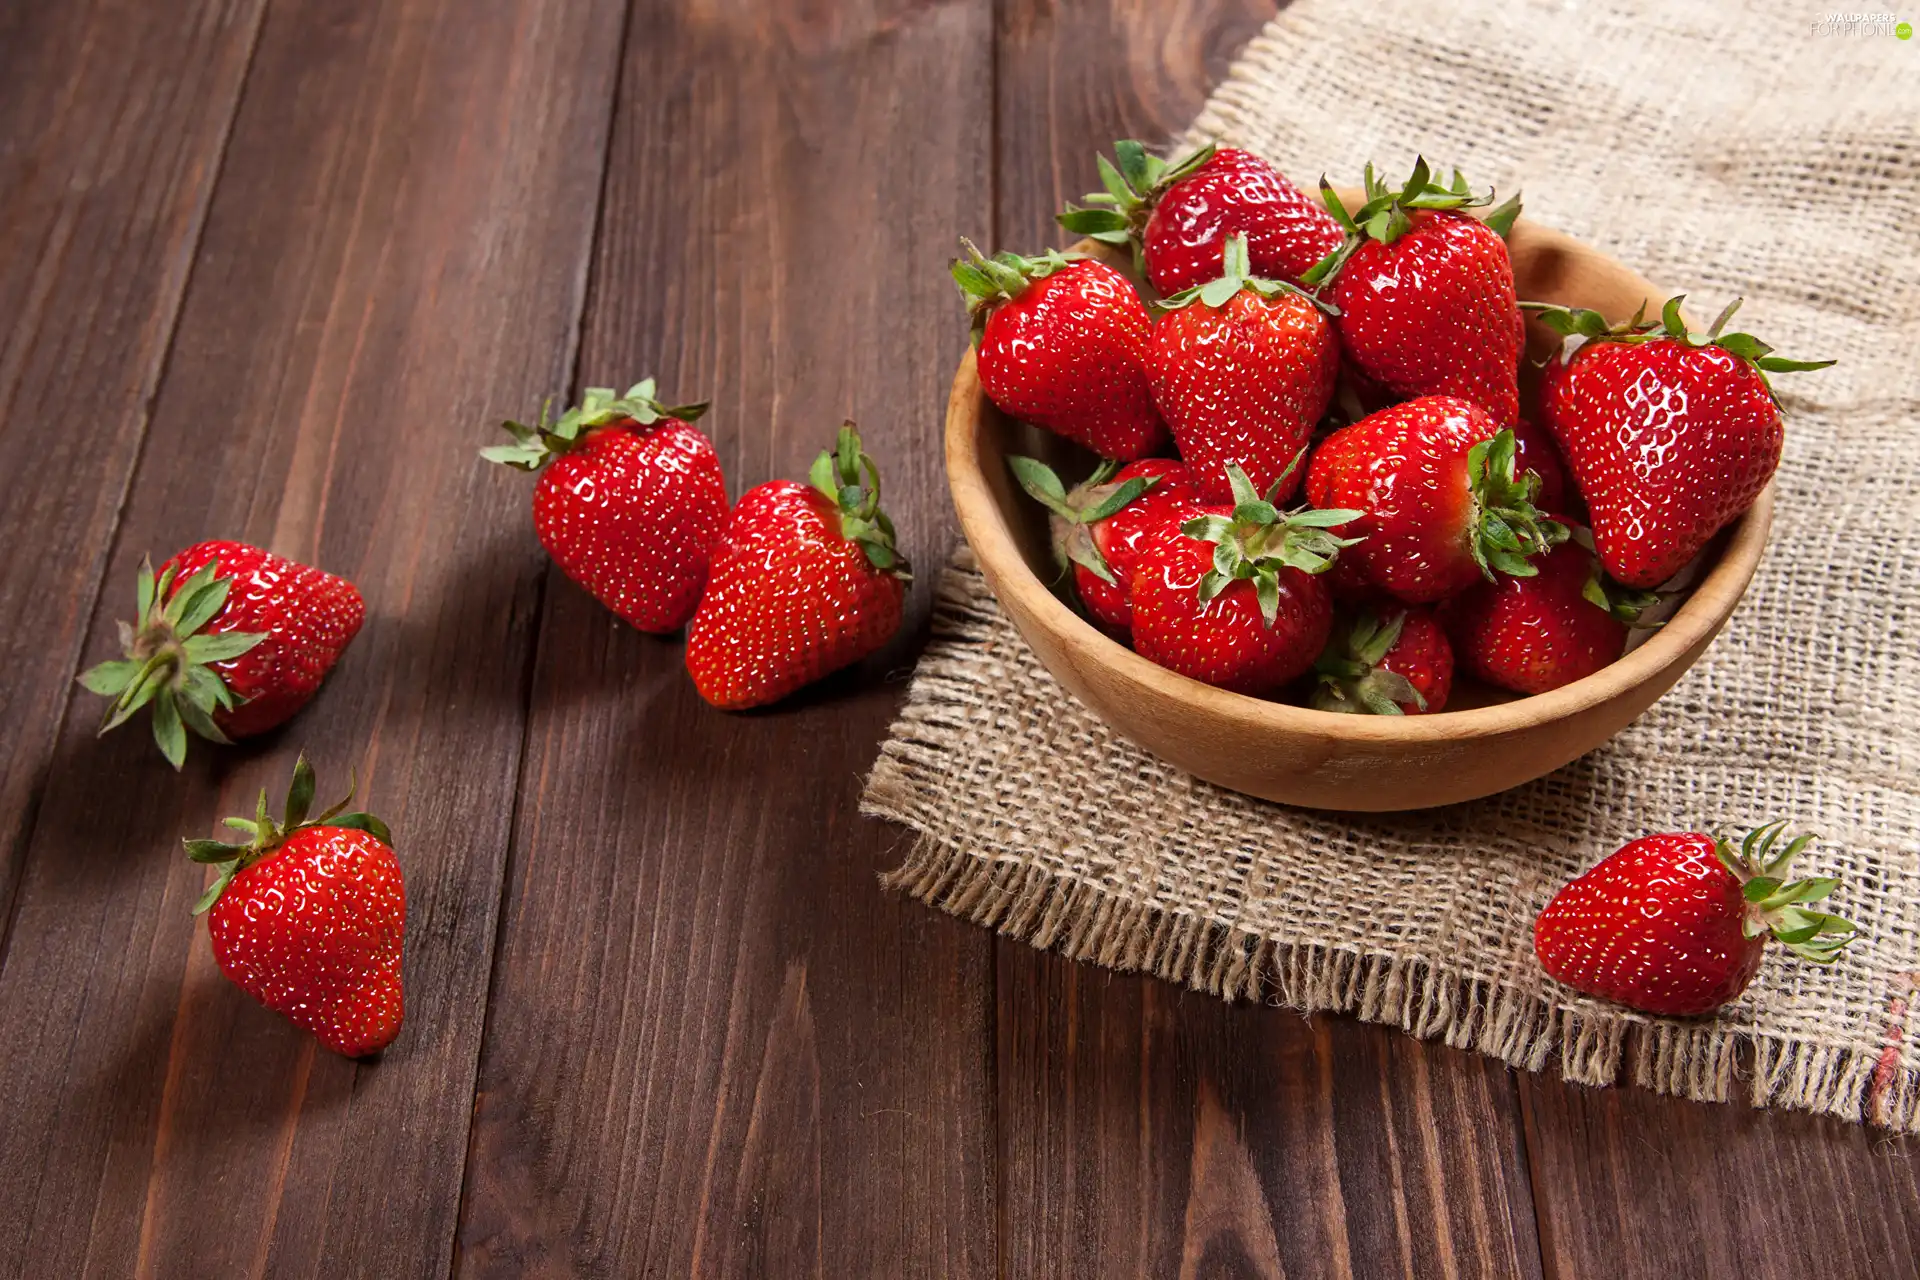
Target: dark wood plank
point(715, 1047)
point(1633, 1184)
point(396, 252)
point(113, 116)
point(1146, 1131)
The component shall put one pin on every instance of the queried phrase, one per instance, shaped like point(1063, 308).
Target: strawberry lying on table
point(231, 641)
point(1677, 923)
point(309, 917)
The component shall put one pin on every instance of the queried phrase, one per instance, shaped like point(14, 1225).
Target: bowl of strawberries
point(1379, 500)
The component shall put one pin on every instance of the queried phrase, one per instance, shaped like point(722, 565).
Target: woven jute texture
point(1721, 150)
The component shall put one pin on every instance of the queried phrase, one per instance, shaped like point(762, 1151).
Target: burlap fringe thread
point(1087, 922)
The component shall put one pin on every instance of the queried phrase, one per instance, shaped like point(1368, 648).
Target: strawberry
point(1443, 502)
point(1178, 217)
point(1061, 342)
point(1230, 594)
point(1537, 633)
point(1097, 527)
point(1386, 663)
point(1676, 923)
point(1425, 292)
point(231, 641)
point(629, 503)
point(1242, 369)
point(1670, 434)
point(309, 918)
point(1535, 451)
point(805, 581)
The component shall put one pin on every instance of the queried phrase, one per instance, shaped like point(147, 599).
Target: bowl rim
point(1708, 605)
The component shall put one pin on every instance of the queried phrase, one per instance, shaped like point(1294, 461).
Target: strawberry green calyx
point(265, 835)
point(987, 282)
point(1507, 528)
point(1585, 326)
point(1072, 515)
point(1774, 903)
point(1622, 604)
point(1257, 541)
point(169, 660)
point(847, 476)
point(1236, 273)
point(1388, 214)
point(1351, 678)
point(535, 446)
point(1134, 180)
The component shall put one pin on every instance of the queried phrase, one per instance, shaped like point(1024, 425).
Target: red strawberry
point(309, 918)
point(1675, 924)
point(805, 582)
point(1444, 505)
point(1179, 216)
point(1098, 526)
point(1535, 451)
point(1242, 369)
point(1230, 596)
point(1537, 633)
point(630, 502)
point(1425, 292)
point(1386, 663)
point(1062, 343)
point(231, 641)
point(1670, 434)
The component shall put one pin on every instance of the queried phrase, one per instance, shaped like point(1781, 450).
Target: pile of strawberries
point(1370, 358)
point(790, 584)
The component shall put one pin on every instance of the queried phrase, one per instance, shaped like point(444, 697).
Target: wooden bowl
point(1319, 759)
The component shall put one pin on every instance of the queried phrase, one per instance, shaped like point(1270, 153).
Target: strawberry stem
point(849, 478)
point(1774, 903)
point(268, 835)
point(1257, 540)
point(535, 446)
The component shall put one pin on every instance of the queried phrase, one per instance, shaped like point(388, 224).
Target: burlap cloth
point(1720, 150)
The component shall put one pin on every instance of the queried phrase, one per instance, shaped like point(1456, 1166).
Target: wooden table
point(272, 269)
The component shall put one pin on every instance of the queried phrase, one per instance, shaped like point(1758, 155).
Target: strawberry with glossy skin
point(1444, 505)
point(1425, 292)
point(1537, 633)
point(1098, 525)
point(1385, 662)
point(1676, 924)
point(231, 641)
point(806, 580)
point(309, 918)
point(1242, 369)
point(629, 501)
point(1177, 217)
point(1061, 342)
point(1230, 595)
point(1670, 434)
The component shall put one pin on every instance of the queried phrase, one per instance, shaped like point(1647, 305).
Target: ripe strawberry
point(1097, 527)
point(630, 502)
point(1535, 451)
point(1670, 434)
point(309, 918)
point(1538, 633)
point(1229, 594)
point(1425, 292)
point(805, 582)
point(231, 641)
point(1179, 216)
point(1675, 924)
point(1386, 663)
point(1062, 343)
point(1242, 369)
point(1443, 503)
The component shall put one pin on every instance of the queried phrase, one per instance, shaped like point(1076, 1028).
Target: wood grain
point(113, 118)
point(1629, 1184)
point(715, 1047)
point(374, 282)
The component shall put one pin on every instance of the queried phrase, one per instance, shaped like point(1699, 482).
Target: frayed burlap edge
point(1700, 1061)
